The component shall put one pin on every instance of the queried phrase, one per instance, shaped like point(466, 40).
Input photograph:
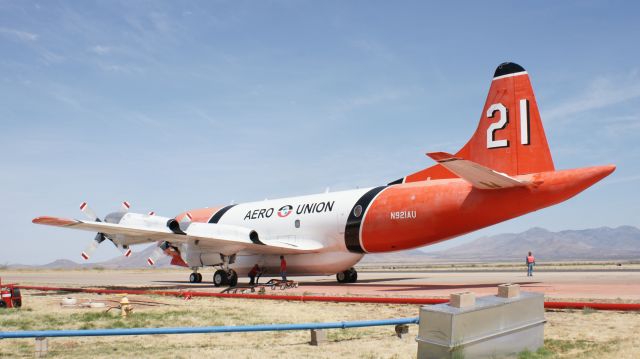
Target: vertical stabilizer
point(510, 137)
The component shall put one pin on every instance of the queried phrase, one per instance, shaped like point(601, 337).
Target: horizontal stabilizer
point(479, 176)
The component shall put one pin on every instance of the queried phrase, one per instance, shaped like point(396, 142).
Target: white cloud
point(623, 126)
point(18, 34)
point(601, 93)
point(101, 50)
point(371, 99)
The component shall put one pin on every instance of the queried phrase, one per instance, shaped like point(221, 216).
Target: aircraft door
point(341, 219)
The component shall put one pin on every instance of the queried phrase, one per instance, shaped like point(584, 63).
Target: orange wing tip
point(441, 156)
point(53, 221)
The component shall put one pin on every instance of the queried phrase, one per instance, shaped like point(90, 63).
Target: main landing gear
point(220, 277)
point(223, 276)
point(348, 276)
point(228, 277)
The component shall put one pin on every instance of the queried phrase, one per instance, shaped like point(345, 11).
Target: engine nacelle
point(223, 232)
point(144, 220)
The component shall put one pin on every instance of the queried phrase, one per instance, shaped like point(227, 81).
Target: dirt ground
point(568, 334)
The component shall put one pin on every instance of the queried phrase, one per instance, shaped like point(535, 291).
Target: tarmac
point(598, 285)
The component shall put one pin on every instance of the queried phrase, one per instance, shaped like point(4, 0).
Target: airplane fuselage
point(381, 219)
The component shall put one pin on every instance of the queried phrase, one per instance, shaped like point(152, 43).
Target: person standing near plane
point(255, 271)
point(283, 268)
point(531, 261)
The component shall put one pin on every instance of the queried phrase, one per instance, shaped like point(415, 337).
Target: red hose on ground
point(320, 298)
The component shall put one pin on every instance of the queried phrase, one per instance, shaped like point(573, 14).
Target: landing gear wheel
point(193, 278)
point(232, 278)
point(342, 277)
point(199, 277)
point(353, 275)
point(348, 276)
point(219, 278)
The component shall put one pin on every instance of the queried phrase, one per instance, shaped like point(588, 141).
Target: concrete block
point(494, 327)
point(42, 347)
point(508, 290)
point(402, 330)
point(462, 300)
point(318, 336)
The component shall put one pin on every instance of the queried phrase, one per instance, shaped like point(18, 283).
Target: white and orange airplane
point(504, 171)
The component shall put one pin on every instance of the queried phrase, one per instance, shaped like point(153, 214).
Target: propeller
point(88, 251)
point(158, 252)
point(100, 237)
point(162, 246)
point(185, 221)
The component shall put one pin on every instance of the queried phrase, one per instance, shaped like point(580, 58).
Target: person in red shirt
point(283, 268)
point(255, 271)
point(531, 261)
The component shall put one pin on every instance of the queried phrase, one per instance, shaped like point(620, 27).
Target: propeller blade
point(86, 254)
point(185, 221)
point(152, 213)
point(187, 218)
point(126, 251)
point(157, 253)
point(125, 206)
point(88, 212)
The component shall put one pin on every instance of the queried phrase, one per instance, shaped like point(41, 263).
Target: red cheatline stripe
point(82, 205)
point(322, 298)
point(86, 257)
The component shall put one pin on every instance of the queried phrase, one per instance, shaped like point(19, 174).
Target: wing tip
point(53, 221)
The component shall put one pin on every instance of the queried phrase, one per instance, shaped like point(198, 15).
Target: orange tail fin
point(510, 137)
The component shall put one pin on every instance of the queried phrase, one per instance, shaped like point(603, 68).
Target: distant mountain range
point(136, 260)
point(604, 243)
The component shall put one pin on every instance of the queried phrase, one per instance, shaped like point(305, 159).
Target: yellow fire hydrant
point(125, 307)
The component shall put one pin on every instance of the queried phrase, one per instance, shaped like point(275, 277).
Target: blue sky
point(175, 105)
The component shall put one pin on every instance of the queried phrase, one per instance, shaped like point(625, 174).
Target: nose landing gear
point(195, 277)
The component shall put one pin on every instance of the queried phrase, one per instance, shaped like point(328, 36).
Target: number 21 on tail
point(504, 121)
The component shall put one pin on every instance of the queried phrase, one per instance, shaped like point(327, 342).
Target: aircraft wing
point(227, 239)
point(479, 176)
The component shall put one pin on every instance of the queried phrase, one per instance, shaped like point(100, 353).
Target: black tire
point(219, 278)
point(353, 275)
point(17, 303)
point(193, 278)
point(3, 304)
point(232, 278)
point(342, 277)
point(199, 278)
